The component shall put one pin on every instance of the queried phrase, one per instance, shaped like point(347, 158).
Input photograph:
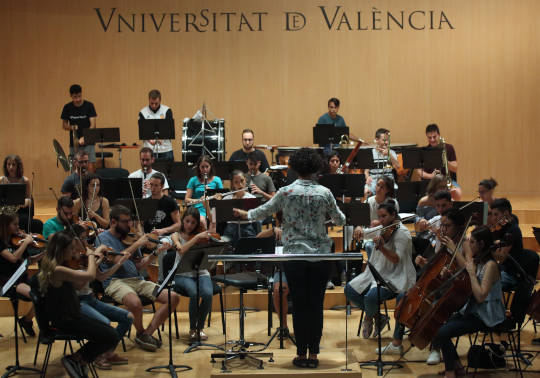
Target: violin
point(39, 240)
point(501, 223)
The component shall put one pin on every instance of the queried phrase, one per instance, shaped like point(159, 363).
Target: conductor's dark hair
point(443, 194)
point(432, 127)
point(455, 216)
point(380, 132)
point(389, 207)
point(154, 93)
point(64, 201)
point(502, 204)
point(489, 183)
point(306, 161)
point(75, 89)
point(335, 101)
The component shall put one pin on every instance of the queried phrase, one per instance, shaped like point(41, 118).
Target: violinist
point(192, 233)
point(126, 284)
point(56, 284)
point(64, 216)
point(101, 311)
point(204, 179)
point(392, 258)
point(485, 307)
point(486, 190)
point(11, 257)
point(74, 180)
point(146, 158)
point(97, 205)
point(14, 174)
point(382, 155)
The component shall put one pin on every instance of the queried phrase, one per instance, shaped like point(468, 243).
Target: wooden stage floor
point(332, 355)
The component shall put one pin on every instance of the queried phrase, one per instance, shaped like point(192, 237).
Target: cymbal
point(60, 155)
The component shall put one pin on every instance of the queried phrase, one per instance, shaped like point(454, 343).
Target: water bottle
point(343, 278)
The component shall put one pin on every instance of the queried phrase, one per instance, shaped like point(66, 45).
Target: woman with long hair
point(57, 282)
point(97, 205)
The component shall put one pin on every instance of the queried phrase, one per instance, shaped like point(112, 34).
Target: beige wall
point(478, 81)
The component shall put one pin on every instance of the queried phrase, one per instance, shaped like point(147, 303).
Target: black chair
point(112, 172)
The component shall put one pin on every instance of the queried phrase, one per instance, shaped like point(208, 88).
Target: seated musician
point(485, 307)
point(333, 163)
point(424, 241)
point(261, 185)
point(97, 205)
point(146, 158)
point(14, 174)
point(434, 141)
point(392, 258)
point(486, 189)
point(73, 181)
point(64, 216)
point(126, 284)
point(57, 282)
point(101, 311)
point(11, 257)
point(248, 141)
point(191, 233)
point(205, 174)
point(380, 158)
point(234, 230)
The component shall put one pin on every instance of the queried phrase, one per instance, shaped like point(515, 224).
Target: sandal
point(300, 362)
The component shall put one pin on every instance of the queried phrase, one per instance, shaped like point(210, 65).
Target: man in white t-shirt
point(146, 156)
point(162, 148)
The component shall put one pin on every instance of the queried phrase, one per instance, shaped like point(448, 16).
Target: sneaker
point(27, 325)
point(203, 335)
point(434, 357)
point(145, 342)
point(73, 368)
point(329, 285)
point(368, 328)
point(157, 342)
point(384, 322)
point(115, 359)
point(102, 363)
point(192, 335)
point(391, 349)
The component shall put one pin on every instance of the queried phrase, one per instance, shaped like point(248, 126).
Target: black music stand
point(409, 193)
point(13, 369)
point(102, 135)
point(324, 134)
point(171, 367)
point(477, 210)
point(194, 260)
point(379, 363)
point(146, 207)
point(536, 233)
point(345, 185)
point(364, 158)
point(225, 168)
point(12, 194)
point(174, 169)
point(224, 208)
point(114, 188)
point(156, 129)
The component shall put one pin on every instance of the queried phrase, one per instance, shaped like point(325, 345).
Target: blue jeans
point(188, 286)
point(106, 313)
point(508, 281)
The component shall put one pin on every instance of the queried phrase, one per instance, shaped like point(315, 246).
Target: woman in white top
point(392, 258)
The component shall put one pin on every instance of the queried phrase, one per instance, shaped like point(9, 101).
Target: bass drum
point(198, 140)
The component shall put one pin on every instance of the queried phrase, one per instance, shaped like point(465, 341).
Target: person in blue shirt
point(196, 185)
point(332, 118)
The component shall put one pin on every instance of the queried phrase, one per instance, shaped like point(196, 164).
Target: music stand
point(364, 158)
point(379, 363)
point(171, 367)
point(324, 134)
point(225, 168)
point(114, 188)
point(174, 169)
point(477, 210)
point(12, 194)
point(536, 233)
point(146, 207)
point(224, 208)
point(12, 369)
point(196, 259)
point(102, 135)
point(156, 129)
point(345, 185)
point(409, 193)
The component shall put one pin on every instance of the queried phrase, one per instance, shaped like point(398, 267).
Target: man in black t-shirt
point(247, 148)
point(78, 115)
point(167, 217)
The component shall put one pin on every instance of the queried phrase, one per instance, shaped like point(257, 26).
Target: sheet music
point(18, 273)
point(279, 250)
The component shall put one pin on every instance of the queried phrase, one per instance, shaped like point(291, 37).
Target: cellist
point(485, 307)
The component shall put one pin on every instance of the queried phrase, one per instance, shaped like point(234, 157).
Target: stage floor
point(332, 355)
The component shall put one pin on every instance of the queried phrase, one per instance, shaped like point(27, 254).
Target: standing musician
point(190, 234)
point(74, 179)
point(204, 179)
point(305, 206)
point(433, 136)
point(248, 140)
point(332, 118)
point(14, 174)
point(146, 157)
point(64, 216)
point(381, 159)
point(392, 258)
point(485, 307)
point(57, 283)
point(126, 284)
point(76, 116)
point(97, 205)
point(261, 185)
point(162, 148)
point(486, 190)
point(11, 257)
